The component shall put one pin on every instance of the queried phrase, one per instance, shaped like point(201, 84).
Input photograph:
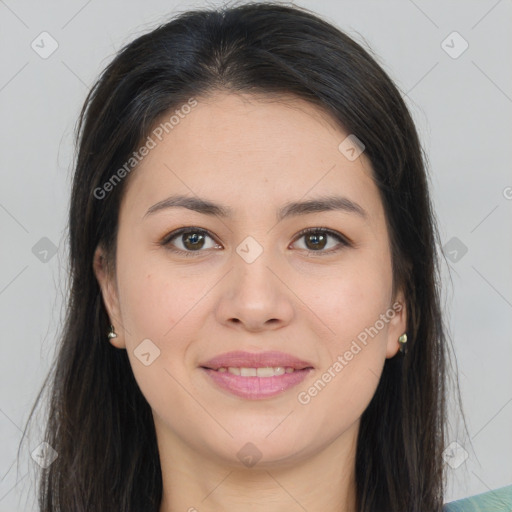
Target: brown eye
point(317, 239)
point(193, 241)
point(188, 241)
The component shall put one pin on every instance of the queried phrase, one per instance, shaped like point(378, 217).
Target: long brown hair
point(98, 421)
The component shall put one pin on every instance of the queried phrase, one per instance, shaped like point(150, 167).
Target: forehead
point(249, 123)
point(246, 147)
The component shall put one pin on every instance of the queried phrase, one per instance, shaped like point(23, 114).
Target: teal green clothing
point(499, 500)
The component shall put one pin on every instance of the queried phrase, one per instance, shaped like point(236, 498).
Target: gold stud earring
point(402, 340)
point(112, 333)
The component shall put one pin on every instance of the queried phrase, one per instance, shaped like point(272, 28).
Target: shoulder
point(499, 500)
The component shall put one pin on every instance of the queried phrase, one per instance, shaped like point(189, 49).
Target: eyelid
point(345, 241)
point(166, 240)
point(173, 234)
point(342, 239)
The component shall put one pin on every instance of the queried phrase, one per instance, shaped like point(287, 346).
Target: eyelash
point(166, 241)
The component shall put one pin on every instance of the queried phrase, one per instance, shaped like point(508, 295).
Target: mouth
point(265, 371)
point(256, 361)
point(256, 376)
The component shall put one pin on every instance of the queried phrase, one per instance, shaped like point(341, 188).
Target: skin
point(245, 151)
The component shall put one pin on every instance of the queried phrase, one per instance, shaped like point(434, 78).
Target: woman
point(254, 316)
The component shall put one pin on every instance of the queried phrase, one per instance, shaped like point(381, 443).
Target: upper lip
point(240, 359)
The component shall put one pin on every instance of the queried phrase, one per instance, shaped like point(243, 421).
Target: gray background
point(462, 107)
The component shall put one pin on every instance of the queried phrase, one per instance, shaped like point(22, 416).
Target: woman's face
point(311, 317)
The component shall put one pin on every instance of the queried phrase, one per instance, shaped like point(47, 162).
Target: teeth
point(248, 372)
point(269, 372)
point(257, 372)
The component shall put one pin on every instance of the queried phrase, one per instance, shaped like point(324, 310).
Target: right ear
point(109, 293)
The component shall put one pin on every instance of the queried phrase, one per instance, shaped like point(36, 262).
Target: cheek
point(155, 299)
point(159, 307)
point(353, 303)
point(351, 296)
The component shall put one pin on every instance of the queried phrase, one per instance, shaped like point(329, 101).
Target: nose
point(255, 296)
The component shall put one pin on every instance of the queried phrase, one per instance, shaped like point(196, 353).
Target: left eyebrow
point(322, 204)
point(291, 209)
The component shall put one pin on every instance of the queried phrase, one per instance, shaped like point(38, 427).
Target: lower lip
point(257, 388)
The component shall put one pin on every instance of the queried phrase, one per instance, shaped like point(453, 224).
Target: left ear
point(397, 325)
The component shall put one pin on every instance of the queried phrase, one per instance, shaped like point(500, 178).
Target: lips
point(240, 359)
point(256, 376)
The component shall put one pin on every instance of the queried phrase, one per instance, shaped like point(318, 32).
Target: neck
point(325, 482)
